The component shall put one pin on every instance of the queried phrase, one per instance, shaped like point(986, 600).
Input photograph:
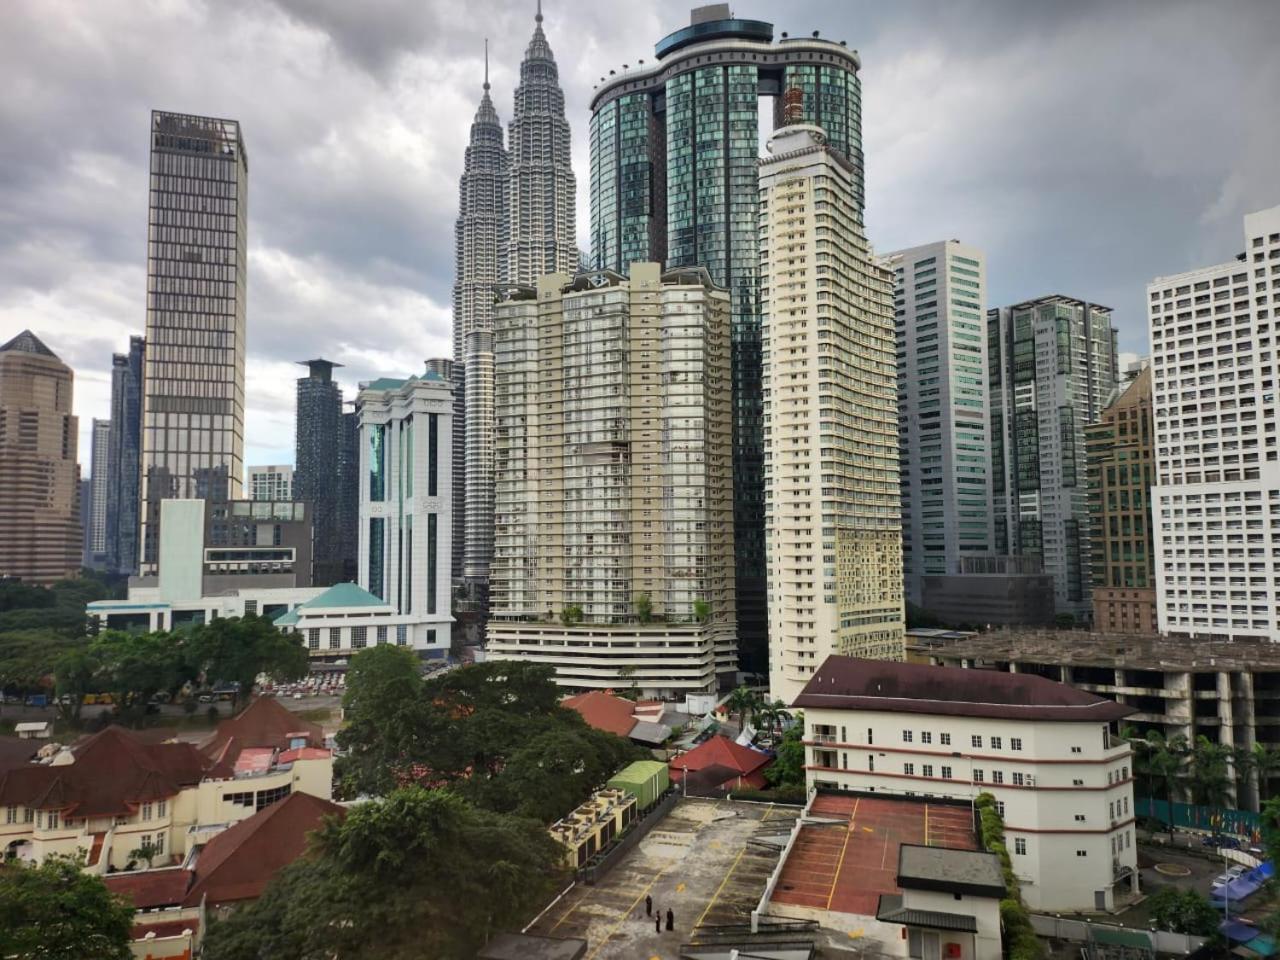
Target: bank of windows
point(257, 799)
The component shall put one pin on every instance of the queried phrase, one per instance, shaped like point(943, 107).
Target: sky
point(1086, 146)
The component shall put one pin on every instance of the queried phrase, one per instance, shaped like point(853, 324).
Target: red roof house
point(264, 723)
point(721, 764)
point(604, 711)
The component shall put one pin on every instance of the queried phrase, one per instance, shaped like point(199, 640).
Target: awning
point(892, 911)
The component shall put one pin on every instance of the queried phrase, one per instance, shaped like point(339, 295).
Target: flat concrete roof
point(946, 869)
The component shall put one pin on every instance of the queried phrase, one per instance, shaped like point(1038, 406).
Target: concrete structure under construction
point(1226, 691)
point(613, 557)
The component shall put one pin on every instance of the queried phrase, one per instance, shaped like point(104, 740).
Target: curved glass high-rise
point(674, 147)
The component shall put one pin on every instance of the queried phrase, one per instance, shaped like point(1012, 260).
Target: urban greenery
point(1202, 771)
point(55, 911)
point(571, 614)
point(1020, 938)
point(787, 769)
point(644, 608)
point(1183, 911)
point(494, 733)
point(421, 873)
point(743, 703)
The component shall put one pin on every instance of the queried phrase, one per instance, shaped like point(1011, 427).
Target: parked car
point(1231, 873)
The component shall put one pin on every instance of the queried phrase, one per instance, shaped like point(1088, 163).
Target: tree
point(1183, 911)
point(644, 608)
point(1264, 761)
point(743, 703)
point(701, 611)
point(147, 851)
point(773, 716)
point(787, 768)
point(1164, 762)
point(571, 614)
point(77, 673)
point(133, 667)
point(55, 911)
point(238, 649)
point(419, 874)
point(1209, 774)
point(552, 773)
point(1065, 621)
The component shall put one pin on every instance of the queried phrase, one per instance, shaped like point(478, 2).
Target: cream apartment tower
point(613, 546)
point(1216, 503)
point(832, 510)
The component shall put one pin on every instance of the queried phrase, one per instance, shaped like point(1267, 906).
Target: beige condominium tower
point(833, 529)
point(613, 533)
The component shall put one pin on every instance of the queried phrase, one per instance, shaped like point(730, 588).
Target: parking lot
point(699, 862)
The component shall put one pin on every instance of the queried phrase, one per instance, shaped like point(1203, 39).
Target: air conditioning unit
point(1031, 781)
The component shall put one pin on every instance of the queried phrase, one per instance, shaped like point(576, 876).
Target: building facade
point(1121, 454)
point(406, 435)
point(1217, 495)
point(124, 486)
point(1051, 756)
point(345, 619)
point(613, 556)
point(1052, 368)
point(41, 537)
point(197, 235)
point(99, 484)
point(323, 475)
point(831, 436)
point(453, 372)
point(940, 302)
point(274, 482)
point(658, 193)
point(985, 591)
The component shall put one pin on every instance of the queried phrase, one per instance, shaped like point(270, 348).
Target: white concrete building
point(406, 498)
point(944, 449)
point(832, 507)
point(613, 542)
point(1049, 753)
point(274, 482)
point(345, 619)
point(1216, 501)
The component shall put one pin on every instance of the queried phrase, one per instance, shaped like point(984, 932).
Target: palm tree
point(1209, 774)
point(773, 716)
point(1164, 759)
point(744, 702)
point(1264, 760)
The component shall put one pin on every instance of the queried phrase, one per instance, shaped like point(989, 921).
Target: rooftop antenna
point(538, 18)
point(486, 63)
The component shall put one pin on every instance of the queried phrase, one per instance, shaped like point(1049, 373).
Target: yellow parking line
point(634, 903)
point(840, 865)
point(716, 895)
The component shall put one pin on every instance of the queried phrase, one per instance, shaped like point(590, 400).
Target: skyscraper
point(1121, 449)
point(318, 477)
point(832, 522)
point(193, 399)
point(1216, 502)
point(541, 199)
point(673, 179)
point(613, 554)
point(41, 539)
point(124, 458)
point(479, 245)
point(1052, 363)
point(271, 482)
point(99, 484)
point(940, 304)
point(450, 370)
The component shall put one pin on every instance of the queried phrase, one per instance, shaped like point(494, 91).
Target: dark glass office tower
point(193, 384)
point(322, 475)
point(349, 494)
point(124, 451)
point(674, 147)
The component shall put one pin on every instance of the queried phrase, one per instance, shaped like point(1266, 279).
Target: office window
point(871, 763)
point(906, 736)
point(1080, 818)
point(975, 741)
point(359, 637)
point(381, 634)
point(945, 738)
point(870, 736)
point(946, 773)
point(431, 637)
point(997, 776)
point(1019, 780)
point(928, 770)
point(377, 557)
point(1000, 807)
point(433, 457)
point(909, 769)
point(402, 634)
point(1015, 743)
point(978, 776)
point(1082, 853)
point(926, 736)
point(335, 637)
point(995, 743)
point(1020, 846)
point(313, 638)
point(431, 563)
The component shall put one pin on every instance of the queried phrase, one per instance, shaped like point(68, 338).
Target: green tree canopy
point(1183, 911)
point(57, 912)
point(787, 768)
point(238, 649)
point(419, 874)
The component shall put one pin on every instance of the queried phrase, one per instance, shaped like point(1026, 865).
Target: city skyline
point(967, 160)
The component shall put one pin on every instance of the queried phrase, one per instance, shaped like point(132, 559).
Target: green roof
point(639, 771)
point(344, 595)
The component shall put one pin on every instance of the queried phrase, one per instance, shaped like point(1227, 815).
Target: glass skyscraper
point(123, 458)
point(193, 397)
point(318, 475)
point(674, 148)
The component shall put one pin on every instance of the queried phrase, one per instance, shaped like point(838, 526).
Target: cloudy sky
point(1086, 146)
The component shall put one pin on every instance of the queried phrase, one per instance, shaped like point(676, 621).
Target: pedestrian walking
point(648, 906)
point(671, 919)
point(657, 922)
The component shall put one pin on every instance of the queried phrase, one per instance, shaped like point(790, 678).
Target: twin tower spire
point(517, 220)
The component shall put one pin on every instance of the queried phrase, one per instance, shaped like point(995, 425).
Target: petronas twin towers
point(516, 222)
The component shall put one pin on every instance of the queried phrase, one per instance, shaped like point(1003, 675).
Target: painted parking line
point(627, 913)
point(843, 850)
point(716, 895)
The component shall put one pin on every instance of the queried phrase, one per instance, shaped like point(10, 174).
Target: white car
point(1232, 873)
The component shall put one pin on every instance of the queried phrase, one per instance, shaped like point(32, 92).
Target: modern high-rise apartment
point(613, 556)
point(318, 475)
point(406, 438)
point(1121, 449)
point(41, 538)
point(940, 304)
point(479, 246)
point(124, 459)
point(541, 191)
point(674, 145)
point(452, 371)
point(99, 485)
point(193, 398)
point(1214, 339)
point(271, 482)
point(1052, 364)
point(832, 522)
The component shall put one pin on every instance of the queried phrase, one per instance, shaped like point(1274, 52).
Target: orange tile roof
point(604, 711)
point(722, 755)
point(264, 723)
point(148, 889)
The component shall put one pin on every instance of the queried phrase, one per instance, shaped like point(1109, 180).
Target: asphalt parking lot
point(698, 862)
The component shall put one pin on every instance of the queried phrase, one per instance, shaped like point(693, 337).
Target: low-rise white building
point(346, 618)
point(1047, 752)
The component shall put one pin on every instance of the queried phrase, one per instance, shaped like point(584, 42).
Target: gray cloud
point(1087, 147)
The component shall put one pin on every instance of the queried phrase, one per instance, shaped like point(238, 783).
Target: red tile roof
point(148, 889)
point(264, 723)
point(304, 753)
point(238, 863)
point(604, 711)
point(112, 773)
point(850, 683)
point(724, 761)
point(15, 751)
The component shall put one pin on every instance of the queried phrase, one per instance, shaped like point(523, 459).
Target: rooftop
point(850, 683)
point(338, 597)
point(1132, 651)
point(604, 711)
point(950, 870)
point(719, 760)
point(27, 342)
point(264, 723)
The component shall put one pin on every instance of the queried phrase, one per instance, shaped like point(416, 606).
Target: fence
point(604, 861)
point(1084, 931)
point(1191, 816)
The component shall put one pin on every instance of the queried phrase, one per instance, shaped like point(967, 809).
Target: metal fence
point(1192, 816)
